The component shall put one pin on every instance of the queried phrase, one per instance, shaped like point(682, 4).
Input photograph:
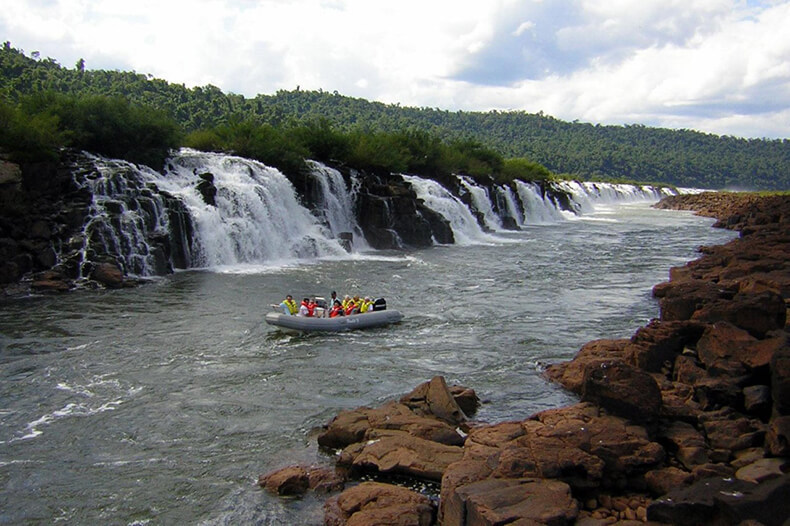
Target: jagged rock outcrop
point(391, 216)
point(41, 210)
point(48, 240)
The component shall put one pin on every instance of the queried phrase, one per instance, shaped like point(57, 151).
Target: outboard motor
point(379, 304)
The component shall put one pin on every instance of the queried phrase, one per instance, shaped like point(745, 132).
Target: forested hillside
point(684, 158)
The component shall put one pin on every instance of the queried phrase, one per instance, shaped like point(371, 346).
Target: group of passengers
point(312, 307)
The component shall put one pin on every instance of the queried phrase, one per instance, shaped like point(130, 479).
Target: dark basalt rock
point(207, 189)
point(623, 390)
point(726, 502)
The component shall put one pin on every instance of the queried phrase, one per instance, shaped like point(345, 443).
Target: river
point(162, 404)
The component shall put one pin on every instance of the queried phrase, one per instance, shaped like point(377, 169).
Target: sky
point(718, 66)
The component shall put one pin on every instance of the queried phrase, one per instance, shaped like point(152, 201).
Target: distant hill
point(634, 152)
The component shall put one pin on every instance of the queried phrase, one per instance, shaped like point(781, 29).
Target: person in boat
point(352, 307)
point(307, 308)
point(332, 298)
point(289, 306)
point(366, 305)
point(336, 310)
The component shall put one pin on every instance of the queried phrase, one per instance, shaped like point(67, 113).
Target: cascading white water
point(151, 223)
point(481, 201)
point(125, 214)
point(257, 218)
point(585, 196)
point(505, 193)
point(465, 228)
point(537, 208)
point(336, 203)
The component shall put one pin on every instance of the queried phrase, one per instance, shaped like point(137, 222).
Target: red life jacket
point(337, 310)
point(310, 308)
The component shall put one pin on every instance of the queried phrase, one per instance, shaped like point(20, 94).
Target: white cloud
point(716, 65)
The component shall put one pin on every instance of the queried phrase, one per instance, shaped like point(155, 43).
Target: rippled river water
point(162, 404)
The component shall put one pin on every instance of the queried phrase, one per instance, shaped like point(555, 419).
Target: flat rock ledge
point(686, 422)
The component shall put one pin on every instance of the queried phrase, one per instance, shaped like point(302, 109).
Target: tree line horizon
point(45, 107)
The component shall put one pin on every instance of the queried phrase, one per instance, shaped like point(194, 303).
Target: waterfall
point(211, 210)
point(585, 196)
point(509, 205)
point(256, 218)
point(336, 202)
point(481, 202)
point(466, 229)
point(131, 222)
point(537, 207)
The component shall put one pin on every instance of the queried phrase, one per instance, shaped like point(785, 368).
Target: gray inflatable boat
point(340, 323)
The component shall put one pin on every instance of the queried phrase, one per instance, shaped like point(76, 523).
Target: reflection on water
point(164, 403)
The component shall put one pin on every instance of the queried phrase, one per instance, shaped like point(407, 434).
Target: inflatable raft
point(339, 323)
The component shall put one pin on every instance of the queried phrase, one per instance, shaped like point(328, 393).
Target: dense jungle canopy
point(42, 102)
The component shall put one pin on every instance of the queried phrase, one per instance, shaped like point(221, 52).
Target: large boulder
point(723, 342)
point(434, 398)
point(350, 426)
point(296, 480)
point(725, 501)
point(571, 374)
point(397, 452)
point(660, 342)
point(685, 443)
point(623, 390)
point(679, 300)
point(757, 313)
point(729, 430)
point(108, 274)
point(510, 501)
point(374, 503)
point(575, 444)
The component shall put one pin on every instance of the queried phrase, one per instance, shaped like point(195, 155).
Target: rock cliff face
point(42, 210)
point(686, 422)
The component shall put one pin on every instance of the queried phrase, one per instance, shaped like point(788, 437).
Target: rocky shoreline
point(686, 422)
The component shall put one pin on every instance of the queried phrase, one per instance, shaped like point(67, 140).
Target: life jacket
point(366, 305)
point(336, 311)
point(292, 307)
point(351, 307)
point(310, 308)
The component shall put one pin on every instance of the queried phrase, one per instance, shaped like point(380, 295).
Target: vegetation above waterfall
point(125, 114)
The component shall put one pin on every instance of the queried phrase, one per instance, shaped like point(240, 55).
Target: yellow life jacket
point(365, 306)
point(292, 307)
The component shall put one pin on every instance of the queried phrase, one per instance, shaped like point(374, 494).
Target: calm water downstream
point(162, 404)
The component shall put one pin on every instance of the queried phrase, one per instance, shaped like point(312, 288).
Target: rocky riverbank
point(686, 422)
